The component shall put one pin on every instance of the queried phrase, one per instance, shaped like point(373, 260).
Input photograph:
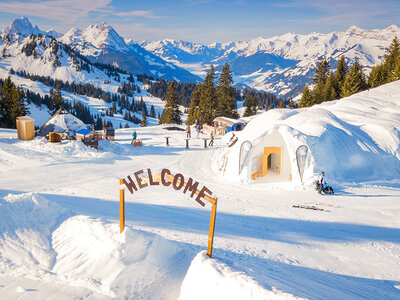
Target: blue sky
point(205, 21)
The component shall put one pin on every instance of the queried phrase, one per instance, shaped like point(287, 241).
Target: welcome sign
point(178, 183)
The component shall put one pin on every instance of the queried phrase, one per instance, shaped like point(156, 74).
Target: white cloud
point(136, 13)
point(68, 11)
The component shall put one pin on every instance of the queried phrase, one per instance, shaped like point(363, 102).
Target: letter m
point(192, 187)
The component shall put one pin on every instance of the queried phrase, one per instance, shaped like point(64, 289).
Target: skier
point(134, 136)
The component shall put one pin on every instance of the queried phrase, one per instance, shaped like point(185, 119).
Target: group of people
point(198, 129)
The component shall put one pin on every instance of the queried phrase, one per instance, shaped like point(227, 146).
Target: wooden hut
point(25, 128)
point(109, 133)
point(83, 134)
point(229, 124)
point(222, 125)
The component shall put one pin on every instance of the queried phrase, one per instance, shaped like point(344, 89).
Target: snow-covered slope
point(93, 39)
point(23, 26)
point(352, 139)
point(280, 63)
point(25, 49)
point(59, 236)
point(103, 44)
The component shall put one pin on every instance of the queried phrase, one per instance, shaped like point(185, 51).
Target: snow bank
point(42, 241)
point(354, 139)
point(210, 279)
point(26, 223)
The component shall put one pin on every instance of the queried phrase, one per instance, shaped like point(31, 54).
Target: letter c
point(165, 183)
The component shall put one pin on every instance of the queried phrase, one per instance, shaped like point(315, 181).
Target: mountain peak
point(22, 26)
point(393, 28)
point(354, 29)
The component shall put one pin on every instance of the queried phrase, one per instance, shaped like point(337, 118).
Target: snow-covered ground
point(60, 232)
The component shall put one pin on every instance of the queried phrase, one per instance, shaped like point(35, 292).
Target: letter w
point(131, 185)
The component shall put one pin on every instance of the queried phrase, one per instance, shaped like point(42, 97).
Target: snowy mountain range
point(101, 43)
point(27, 51)
point(281, 64)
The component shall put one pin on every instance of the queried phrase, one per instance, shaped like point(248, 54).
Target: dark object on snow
point(324, 189)
point(109, 133)
point(173, 128)
point(63, 122)
point(310, 207)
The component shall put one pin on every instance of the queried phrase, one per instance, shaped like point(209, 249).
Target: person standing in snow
point(321, 182)
point(211, 139)
point(188, 134)
point(134, 136)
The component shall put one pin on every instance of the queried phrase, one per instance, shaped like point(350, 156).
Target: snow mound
point(355, 139)
point(26, 222)
point(210, 279)
point(41, 241)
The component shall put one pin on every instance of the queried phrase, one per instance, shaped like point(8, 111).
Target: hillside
point(354, 139)
point(36, 61)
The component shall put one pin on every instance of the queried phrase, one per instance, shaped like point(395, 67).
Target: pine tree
point(321, 76)
point(12, 104)
point(340, 75)
point(226, 106)
point(171, 113)
point(152, 112)
point(396, 71)
point(388, 70)
point(208, 99)
point(355, 81)
point(144, 122)
point(391, 58)
point(307, 98)
point(56, 101)
point(376, 77)
point(251, 106)
point(329, 92)
point(321, 72)
point(193, 113)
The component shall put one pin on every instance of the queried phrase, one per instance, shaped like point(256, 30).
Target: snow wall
point(354, 139)
point(210, 279)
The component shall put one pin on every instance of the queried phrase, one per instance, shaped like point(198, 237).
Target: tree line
point(346, 81)
point(12, 105)
point(215, 97)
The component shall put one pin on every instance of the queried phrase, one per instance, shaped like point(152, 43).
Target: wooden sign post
point(178, 183)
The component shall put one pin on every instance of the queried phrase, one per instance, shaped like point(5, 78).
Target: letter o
point(177, 177)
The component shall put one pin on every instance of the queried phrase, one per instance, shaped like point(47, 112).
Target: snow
point(69, 233)
point(59, 210)
point(278, 64)
point(218, 281)
point(352, 139)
